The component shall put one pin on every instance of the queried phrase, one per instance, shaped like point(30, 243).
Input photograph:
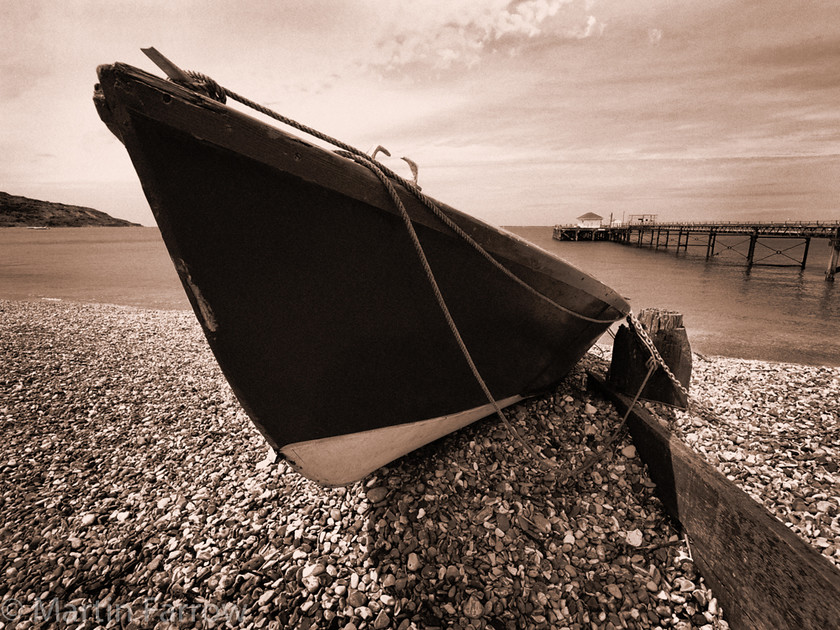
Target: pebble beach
point(136, 493)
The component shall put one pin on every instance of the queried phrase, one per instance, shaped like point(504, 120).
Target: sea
point(769, 313)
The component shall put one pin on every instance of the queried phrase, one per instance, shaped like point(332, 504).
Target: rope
point(598, 456)
point(453, 327)
point(387, 177)
point(540, 458)
point(209, 86)
point(448, 222)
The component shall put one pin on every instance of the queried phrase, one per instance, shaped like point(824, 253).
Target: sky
point(528, 112)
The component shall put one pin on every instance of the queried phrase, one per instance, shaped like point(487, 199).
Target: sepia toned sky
point(522, 113)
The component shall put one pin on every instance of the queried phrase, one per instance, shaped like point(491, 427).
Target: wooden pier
point(681, 236)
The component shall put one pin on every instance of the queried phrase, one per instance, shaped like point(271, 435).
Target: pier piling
point(834, 257)
point(805, 253)
point(751, 253)
point(710, 247)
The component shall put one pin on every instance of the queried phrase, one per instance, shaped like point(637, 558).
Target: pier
point(758, 236)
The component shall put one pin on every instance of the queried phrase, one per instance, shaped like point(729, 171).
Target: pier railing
point(656, 235)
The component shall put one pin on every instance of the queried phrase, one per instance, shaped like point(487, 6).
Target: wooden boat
point(301, 271)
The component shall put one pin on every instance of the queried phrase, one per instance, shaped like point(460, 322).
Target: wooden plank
point(765, 576)
point(172, 71)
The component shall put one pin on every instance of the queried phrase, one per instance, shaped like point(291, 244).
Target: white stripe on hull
point(343, 459)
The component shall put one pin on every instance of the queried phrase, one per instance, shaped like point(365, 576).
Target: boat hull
point(312, 298)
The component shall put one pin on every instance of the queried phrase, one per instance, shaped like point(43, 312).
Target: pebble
point(473, 608)
point(413, 563)
point(377, 495)
point(130, 470)
point(382, 621)
point(312, 583)
point(629, 451)
point(634, 537)
point(774, 435)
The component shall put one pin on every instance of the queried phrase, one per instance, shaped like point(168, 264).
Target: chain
point(648, 342)
point(691, 402)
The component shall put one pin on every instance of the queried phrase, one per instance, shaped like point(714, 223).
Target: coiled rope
point(202, 83)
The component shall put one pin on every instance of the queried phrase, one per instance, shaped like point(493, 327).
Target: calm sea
point(768, 313)
point(126, 266)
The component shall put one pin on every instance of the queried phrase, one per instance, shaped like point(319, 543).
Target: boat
point(345, 349)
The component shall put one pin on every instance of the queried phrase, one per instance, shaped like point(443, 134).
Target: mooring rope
point(537, 456)
point(441, 301)
point(210, 87)
point(204, 83)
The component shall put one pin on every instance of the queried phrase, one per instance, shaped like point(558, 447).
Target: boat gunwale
point(277, 148)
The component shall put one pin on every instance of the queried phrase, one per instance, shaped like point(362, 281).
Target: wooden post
point(834, 257)
point(667, 236)
point(628, 370)
point(805, 253)
point(766, 577)
point(710, 247)
point(751, 253)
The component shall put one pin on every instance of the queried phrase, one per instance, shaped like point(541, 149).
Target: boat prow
point(304, 277)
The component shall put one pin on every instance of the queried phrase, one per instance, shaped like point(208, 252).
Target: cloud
point(447, 35)
point(655, 35)
point(804, 65)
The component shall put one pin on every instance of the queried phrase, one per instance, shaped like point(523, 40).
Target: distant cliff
point(18, 211)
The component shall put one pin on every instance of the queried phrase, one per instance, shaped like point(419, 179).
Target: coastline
point(131, 475)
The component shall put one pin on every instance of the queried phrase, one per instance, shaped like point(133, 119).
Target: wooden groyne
point(766, 577)
point(681, 236)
